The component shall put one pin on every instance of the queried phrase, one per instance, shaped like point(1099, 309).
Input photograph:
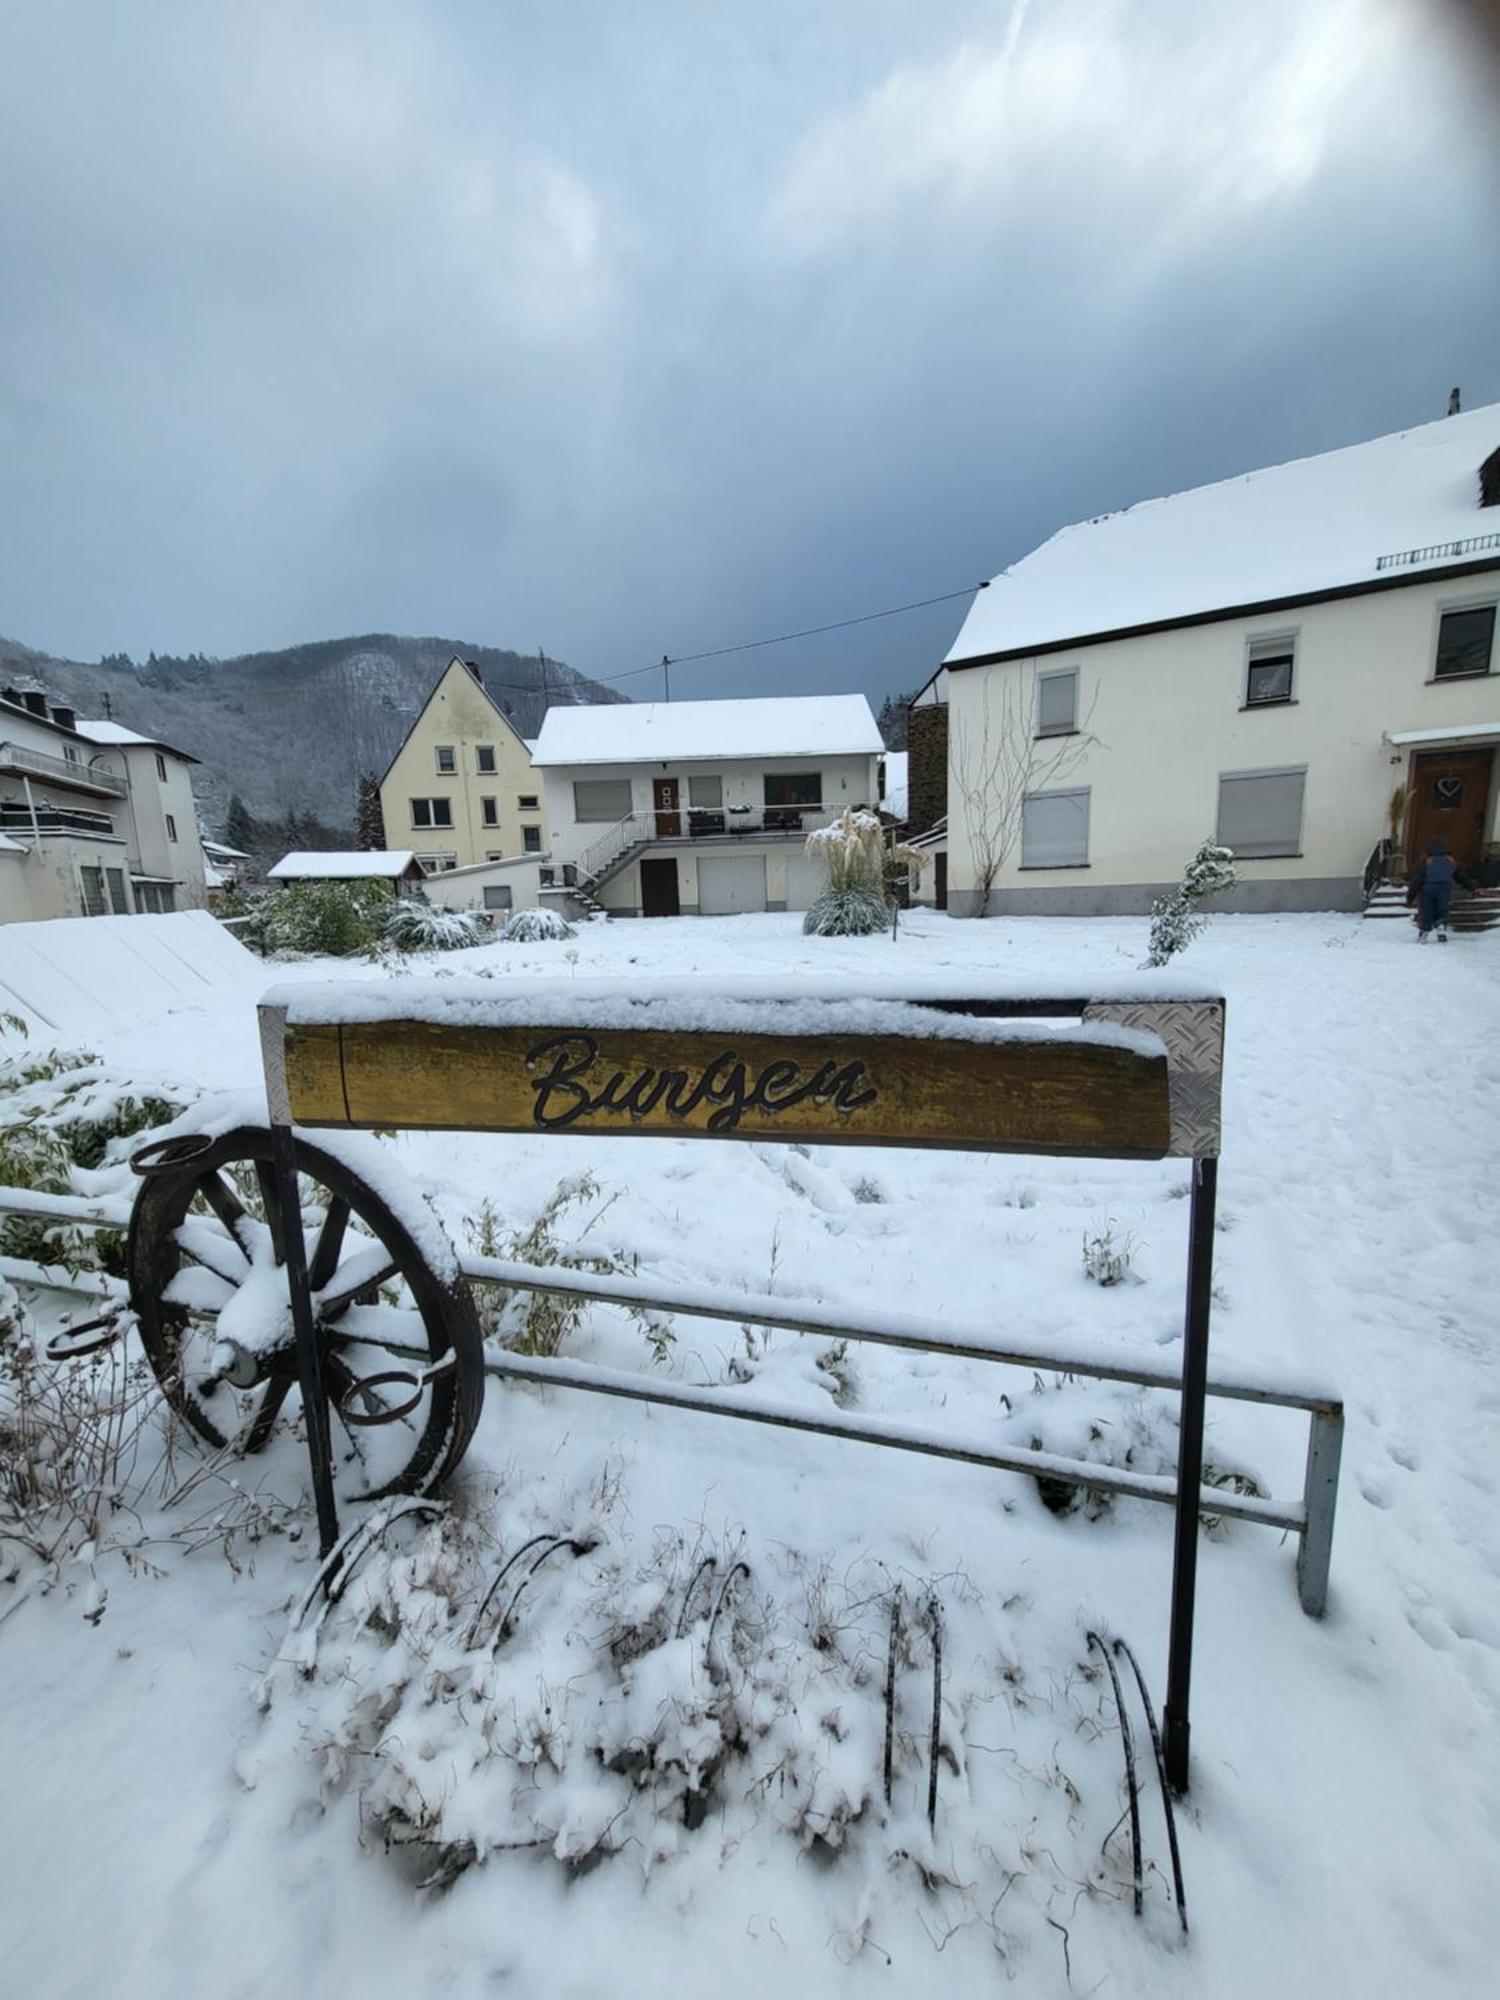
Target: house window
point(794, 788)
point(1057, 703)
point(171, 827)
point(1260, 812)
point(119, 901)
point(431, 812)
point(601, 799)
point(490, 809)
point(93, 891)
point(529, 802)
point(1055, 829)
point(1466, 641)
point(161, 767)
point(706, 792)
point(447, 760)
point(1268, 671)
point(498, 896)
point(484, 759)
point(531, 840)
point(70, 752)
point(436, 864)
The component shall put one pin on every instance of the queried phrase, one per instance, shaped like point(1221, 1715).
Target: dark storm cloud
point(622, 329)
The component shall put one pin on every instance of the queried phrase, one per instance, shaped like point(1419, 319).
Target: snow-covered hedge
point(414, 926)
point(324, 919)
point(536, 927)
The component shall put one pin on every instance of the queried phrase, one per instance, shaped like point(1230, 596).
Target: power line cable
point(754, 645)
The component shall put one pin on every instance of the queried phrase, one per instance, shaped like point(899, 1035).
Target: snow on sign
point(1125, 1079)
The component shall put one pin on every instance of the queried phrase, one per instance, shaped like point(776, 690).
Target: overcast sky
point(629, 326)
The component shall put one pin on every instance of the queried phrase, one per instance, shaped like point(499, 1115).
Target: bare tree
point(997, 760)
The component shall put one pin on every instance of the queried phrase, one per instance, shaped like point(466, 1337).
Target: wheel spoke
point(330, 1244)
point(265, 1180)
point(365, 1272)
point(230, 1210)
point(277, 1391)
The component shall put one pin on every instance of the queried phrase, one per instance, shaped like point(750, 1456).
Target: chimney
point(1489, 480)
point(36, 700)
point(1455, 402)
point(65, 718)
point(475, 672)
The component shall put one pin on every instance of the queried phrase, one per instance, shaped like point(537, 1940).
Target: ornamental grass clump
point(536, 927)
point(853, 852)
point(414, 926)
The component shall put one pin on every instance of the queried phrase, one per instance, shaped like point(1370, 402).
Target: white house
point(700, 807)
point(95, 819)
point(1264, 660)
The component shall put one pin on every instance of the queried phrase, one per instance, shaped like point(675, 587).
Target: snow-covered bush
point(536, 927)
point(1106, 1257)
point(320, 919)
point(416, 926)
point(1175, 919)
point(846, 913)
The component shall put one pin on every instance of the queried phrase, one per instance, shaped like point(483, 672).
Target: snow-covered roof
point(381, 864)
point(1315, 525)
point(671, 732)
point(1463, 732)
point(230, 853)
point(115, 736)
point(9, 846)
point(895, 783)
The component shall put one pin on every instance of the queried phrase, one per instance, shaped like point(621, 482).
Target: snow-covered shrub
point(540, 1322)
point(1175, 919)
point(846, 913)
point(416, 926)
point(536, 927)
point(320, 919)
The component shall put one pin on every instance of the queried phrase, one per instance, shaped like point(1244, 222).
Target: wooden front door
point(1450, 798)
point(659, 894)
point(667, 801)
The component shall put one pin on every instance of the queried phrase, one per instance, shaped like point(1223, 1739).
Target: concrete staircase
point(1470, 913)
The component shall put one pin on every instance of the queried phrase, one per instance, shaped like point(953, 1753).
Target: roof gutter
point(1259, 607)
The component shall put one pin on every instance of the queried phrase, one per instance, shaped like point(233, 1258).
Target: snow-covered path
point(157, 1838)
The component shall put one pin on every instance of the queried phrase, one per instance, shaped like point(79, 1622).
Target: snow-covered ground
point(176, 1820)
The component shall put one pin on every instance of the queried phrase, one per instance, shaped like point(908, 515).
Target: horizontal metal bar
point(900, 1436)
point(890, 1330)
point(53, 1278)
point(63, 1208)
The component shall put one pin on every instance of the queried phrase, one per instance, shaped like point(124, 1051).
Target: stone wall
point(927, 771)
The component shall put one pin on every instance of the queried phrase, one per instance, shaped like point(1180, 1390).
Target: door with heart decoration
point(1450, 799)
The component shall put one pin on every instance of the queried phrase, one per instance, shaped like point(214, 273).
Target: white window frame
point(1270, 646)
point(171, 828)
point(609, 818)
point(1070, 728)
point(450, 751)
point(161, 767)
point(1059, 792)
point(438, 862)
point(531, 840)
point(499, 890)
point(1261, 851)
point(432, 824)
point(489, 810)
point(716, 803)
point(1476, 601)
point(528, 802)
point(481, 751)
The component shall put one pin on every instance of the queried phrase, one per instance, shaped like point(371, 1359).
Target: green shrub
point(322, 919)
point(536, 927)
point(415, 926)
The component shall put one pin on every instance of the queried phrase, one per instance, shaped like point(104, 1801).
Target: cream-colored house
point(95, 819)
point(1263, 661)
point(461, 791)
point(700, 807)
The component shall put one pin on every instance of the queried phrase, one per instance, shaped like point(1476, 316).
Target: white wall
point(1165, 714)
point(463, 888)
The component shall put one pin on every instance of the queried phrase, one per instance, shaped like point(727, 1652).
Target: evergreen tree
point(239, 826)
point(369, 820)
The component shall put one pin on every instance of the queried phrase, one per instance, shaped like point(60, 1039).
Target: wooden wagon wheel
point(402, 1352)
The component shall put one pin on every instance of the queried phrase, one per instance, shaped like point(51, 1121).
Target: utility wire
point(754, 645)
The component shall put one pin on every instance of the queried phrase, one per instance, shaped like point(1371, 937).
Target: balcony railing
point(688, 823)
point(21, 822)
point(38, 764)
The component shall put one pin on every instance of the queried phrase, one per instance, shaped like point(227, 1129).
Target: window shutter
point(1057, 704)
point(1055, 830)
point(1260, 812)
point(601, 799)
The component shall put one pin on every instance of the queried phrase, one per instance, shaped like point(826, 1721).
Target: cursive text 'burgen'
point(575, 1085)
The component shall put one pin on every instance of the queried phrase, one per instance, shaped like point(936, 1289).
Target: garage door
point(805, 877)
point(729, 884)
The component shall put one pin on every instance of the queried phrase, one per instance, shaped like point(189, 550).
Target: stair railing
point(610, 846)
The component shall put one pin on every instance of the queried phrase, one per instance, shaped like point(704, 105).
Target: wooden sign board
point(1049, 1094)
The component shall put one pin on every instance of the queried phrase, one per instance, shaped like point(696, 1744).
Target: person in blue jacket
point(1431, 889)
